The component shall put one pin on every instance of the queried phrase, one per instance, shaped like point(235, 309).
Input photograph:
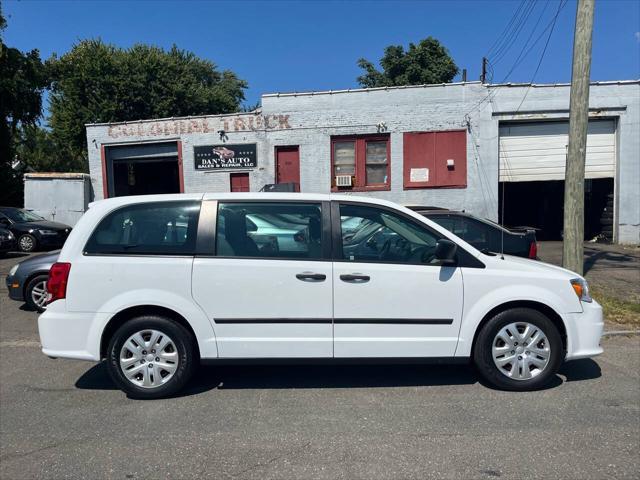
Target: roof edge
point(370, 89)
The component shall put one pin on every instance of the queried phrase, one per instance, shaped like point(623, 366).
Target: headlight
point(48, 232)
point(581, 287)
point(13, 270)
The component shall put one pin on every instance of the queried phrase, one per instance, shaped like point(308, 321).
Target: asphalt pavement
point(65, 419)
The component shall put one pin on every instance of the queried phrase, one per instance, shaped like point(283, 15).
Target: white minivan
point(158, 284)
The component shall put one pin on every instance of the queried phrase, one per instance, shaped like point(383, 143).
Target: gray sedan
point(27, 280)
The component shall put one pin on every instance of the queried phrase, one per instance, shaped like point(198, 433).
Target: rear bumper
point(68, 334)
point(584, 331)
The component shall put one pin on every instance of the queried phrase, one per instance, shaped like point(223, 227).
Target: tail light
point(57, 283)
point(533, 250)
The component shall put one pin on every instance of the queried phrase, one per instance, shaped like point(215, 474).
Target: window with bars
point(363, 158)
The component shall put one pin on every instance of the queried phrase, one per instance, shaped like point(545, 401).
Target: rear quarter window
point(162, 228)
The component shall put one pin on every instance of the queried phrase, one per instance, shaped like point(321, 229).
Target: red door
point(288, 165)
point(240, 182)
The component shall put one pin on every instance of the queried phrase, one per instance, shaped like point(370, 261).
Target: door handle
point(311, 277)
point(355, 278)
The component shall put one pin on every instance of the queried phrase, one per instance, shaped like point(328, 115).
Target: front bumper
point(584, 331)
point(15, 289)
point(52, 241)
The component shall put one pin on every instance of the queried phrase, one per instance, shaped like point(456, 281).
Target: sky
point(287, 46)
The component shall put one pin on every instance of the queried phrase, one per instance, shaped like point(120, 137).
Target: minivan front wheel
point(151, 357)
point(518, 349)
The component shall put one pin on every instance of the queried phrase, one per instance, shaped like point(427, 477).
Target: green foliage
point(426, 63)
point(38, 151)
point(97, 82)
point(22, 80)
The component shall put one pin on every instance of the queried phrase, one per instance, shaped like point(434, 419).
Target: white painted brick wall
point(315, 118)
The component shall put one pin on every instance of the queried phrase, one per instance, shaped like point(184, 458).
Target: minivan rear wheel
point(518, 349)
point(151, 357)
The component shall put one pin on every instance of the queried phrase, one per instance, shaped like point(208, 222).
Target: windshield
point(17, 215)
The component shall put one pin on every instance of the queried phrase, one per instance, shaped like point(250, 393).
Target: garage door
point(538, 151)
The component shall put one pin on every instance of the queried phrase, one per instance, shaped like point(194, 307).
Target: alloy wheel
point(149, 358)
point(39, 294)
point(521, 350)
point(26, 243)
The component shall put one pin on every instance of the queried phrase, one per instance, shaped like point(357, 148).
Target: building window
point(363, 158)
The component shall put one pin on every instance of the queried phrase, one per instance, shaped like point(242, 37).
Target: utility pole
point(483, 75)
point(573, 248)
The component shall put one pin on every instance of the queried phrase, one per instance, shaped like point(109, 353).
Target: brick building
point(461, 146)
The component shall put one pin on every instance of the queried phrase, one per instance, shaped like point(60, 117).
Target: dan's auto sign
point(214, 157)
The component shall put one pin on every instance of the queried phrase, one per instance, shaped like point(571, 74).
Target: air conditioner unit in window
point(343, 181)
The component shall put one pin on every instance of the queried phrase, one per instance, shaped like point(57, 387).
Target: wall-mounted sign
point(215, 157)
point(247, 122)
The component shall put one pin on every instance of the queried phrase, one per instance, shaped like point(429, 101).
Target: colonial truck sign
point(216, 157)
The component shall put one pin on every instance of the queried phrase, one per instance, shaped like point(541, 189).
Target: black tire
point(29, 294)
point(27, 243)
point(184, 343)
point(483, 359)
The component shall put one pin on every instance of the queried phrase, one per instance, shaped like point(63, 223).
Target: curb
point(615, 333)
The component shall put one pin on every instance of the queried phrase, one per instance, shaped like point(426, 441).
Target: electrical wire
point(521, 57)
point(544, 50)
point(498, 41)
point(533, 30)
point(512, 39)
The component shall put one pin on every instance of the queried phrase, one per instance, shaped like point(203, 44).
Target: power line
point(533, 30)
point(498, 39)
point(521, 57)
point(544, 50)
point(510, 41)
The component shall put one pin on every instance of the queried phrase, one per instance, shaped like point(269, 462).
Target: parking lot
point(65, 419)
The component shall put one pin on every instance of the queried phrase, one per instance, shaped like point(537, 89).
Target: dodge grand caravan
point(158, 284)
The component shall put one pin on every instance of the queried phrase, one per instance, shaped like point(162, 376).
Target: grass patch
point(617, 310)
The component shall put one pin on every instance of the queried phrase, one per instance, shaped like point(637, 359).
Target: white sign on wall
point(419, 175)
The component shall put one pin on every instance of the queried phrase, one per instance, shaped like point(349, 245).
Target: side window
point(163, 228)
point(377, 235)
point(269, 230)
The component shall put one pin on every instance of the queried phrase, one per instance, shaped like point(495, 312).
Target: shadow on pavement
point(332, 376)
point(607, 259)
point(585, 369)
point(14, 255)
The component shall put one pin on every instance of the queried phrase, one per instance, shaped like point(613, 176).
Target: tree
point(22, 80)
point(97, 82)
point(426, 63)
point(36, 149)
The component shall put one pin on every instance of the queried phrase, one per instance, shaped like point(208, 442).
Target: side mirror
point(4, 222)
point(446, 251)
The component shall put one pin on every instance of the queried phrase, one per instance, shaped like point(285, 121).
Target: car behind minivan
point(160, 283)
